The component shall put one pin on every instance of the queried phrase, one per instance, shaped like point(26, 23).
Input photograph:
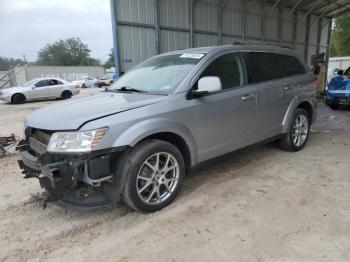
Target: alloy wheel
point(300, 130)
point(157, 178)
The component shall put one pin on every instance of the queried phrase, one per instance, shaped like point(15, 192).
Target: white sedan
point(39, 89)
point(86, 81)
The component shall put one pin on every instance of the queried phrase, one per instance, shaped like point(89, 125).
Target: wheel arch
point(177, 141)
point(18, 93)
point(166, 130)
point(308, 107)
point(67, 90)
point(297, 103)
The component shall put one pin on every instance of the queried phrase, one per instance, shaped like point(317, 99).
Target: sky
point(26, 26)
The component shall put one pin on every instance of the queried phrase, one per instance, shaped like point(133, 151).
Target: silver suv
point(137, 140)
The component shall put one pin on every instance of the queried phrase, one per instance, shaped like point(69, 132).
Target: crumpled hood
point(70, 115)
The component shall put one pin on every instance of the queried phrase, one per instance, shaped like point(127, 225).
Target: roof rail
point(263, 44)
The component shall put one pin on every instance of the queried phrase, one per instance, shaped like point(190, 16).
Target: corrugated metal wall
point(211, 22)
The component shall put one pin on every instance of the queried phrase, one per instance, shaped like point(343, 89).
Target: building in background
point(144, 28)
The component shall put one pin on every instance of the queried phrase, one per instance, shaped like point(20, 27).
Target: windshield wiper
point(129, 89)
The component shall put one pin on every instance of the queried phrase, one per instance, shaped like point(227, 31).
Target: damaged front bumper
point(86, 180)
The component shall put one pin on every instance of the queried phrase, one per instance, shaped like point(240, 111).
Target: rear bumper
point(81, 181)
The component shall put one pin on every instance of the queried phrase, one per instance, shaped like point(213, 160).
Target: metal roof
point(322, 8)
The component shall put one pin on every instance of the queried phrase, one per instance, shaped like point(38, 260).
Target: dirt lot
point(258, 204)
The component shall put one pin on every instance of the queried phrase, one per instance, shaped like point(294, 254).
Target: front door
point(225, 120)
point(40, 90)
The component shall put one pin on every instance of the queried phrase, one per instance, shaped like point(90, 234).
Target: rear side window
point(229, 69)
point(292, 66)
point(263, 66)
point(53, 82)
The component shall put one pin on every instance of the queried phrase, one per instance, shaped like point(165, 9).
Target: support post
point(307, 36)
point(319, 32)
point(114, 17)
point(220, 10)
point(156, 26)
point(262, 21)
point(192, 3)
point(243, 19)
point(280, 25)
point(295, 28)
point(329, 31)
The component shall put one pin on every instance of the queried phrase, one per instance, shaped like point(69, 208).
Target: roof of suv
point(238, 46)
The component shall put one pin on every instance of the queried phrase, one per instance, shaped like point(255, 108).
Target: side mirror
point(206, 85)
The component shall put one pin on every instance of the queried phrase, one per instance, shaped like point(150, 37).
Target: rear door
point(225, 120)
point(55, 89)
point(274, 91)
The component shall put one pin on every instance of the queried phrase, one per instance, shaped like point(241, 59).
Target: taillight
point(77, 86)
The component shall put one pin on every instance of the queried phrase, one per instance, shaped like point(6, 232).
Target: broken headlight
point(75, 142)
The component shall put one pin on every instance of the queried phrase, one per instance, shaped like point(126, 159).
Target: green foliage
point(340, 44)
point(69, 52)
point(110, 61)
point(6, 63)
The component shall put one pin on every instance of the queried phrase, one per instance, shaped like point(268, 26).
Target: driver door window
point(229, 69)
point(42, 83)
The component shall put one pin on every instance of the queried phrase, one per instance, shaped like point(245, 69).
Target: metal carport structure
point(143, 28)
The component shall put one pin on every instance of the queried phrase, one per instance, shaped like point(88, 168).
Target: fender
point(291, 109)
point(146, 128)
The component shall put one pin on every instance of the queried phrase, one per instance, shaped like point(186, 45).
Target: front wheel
point(155, 174)
point(298, 133)
point(18, 99)
point(66, 95)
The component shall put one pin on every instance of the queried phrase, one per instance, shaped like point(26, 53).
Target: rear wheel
point(18, 99)
point(83, 86)
point(155, 175)
point(66, 95)
point(298, 133)
point(332, 104)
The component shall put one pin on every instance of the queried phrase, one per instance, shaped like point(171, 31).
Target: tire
point(297, 136)
point(18, 99)
point(332, 104)
point(143, 182)
point(83, 86)
point(66, 95)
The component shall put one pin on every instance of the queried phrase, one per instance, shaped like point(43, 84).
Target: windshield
point(158, 75)
point(30, 82)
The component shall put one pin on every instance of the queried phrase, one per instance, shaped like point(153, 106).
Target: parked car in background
point(39, 89)
point(86, 82)
point(338, 91)
point(138, 140)
point(105, 80)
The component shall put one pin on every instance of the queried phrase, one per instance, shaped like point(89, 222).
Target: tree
point(340, 45)
point(69, 52)
point(6, 63)
point(110, 61)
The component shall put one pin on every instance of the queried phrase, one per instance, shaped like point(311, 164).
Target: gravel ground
point(257, 204)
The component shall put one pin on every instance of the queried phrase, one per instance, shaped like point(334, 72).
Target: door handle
point(287, 88)
point(246, 97)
